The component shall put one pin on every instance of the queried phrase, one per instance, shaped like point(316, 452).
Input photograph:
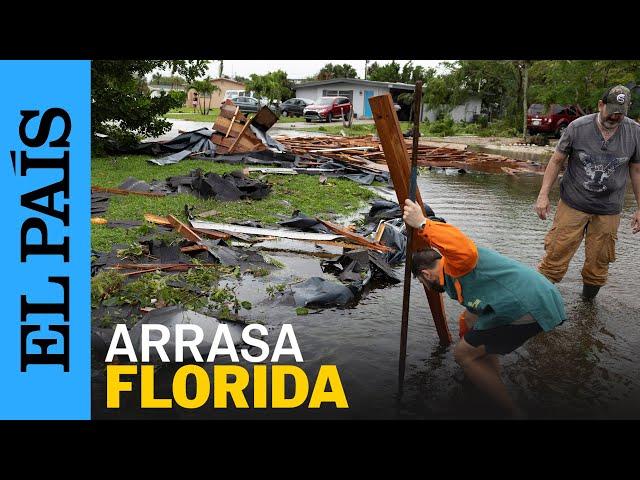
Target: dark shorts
point(504, 339)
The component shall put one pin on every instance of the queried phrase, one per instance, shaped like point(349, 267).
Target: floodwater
point(586, 368)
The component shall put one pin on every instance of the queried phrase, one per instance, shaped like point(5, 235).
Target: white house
point(358, 91)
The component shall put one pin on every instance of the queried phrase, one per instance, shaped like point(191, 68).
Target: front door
point(367, 108)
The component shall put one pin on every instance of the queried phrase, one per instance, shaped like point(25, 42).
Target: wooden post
point(397, 157)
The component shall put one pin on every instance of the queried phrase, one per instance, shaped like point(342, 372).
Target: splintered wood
point(232, 132)
point(366, 153)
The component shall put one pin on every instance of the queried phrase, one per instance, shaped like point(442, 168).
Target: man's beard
point(434, 286)
point(609, 124)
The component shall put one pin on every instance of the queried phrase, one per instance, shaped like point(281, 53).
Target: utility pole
point(366, 67)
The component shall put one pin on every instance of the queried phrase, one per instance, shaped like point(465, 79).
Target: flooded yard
point(586, 368)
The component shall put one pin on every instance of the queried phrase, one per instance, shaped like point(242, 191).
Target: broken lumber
point(397, 157)
point(119, 191)
point(157, 219)
point(354, 237)
point(183, 230)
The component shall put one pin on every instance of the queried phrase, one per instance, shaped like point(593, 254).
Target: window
point(338, 93)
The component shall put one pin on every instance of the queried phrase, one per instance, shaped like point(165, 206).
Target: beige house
point(217, 97)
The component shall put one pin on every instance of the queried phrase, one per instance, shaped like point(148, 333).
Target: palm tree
point(220, 68)
point(205, 88)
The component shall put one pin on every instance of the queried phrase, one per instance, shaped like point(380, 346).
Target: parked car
point(551, 120)
point(247, 104)
point(328, 108)
point(294, 107)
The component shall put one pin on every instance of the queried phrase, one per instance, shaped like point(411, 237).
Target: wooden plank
point(339, 149)
point(235, 114)
point(212, 233)
point(194, 248)
point(240, 135)
point(224, 124)
point(354, 237)
point(183, 230)
point(157, 219)
point(264, 119)
point(397, 157)
point(119, 191)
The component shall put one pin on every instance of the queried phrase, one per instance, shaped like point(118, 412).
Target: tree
point(220, 68)
point(273, 85)
point(336, 71)
point(385, 73)
point(121, 104)
point(204, 88)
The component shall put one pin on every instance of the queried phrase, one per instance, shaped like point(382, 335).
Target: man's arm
point(551, 173)
point(634, 172)
point(460, 252)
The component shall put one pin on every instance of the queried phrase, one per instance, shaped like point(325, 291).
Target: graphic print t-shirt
point(597, 171)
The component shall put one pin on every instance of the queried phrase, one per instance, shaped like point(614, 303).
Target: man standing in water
point(506, 302)
point(602, 148)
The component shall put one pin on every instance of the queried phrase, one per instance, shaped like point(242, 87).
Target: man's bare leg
point(484, 371)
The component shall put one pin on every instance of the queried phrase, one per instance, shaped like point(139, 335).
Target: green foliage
point(273, 85)
point(273, 290)
point(133, 251)
point(336, 71)
point(121, 104)
point(302, 311)
point(180, 96)
point(104, 285)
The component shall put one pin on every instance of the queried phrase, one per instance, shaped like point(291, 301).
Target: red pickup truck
point(551, 120)
point(328, 108)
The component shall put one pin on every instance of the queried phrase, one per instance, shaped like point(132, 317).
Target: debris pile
point(365, 152)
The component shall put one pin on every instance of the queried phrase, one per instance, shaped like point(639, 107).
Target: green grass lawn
point(290, 192)
point(186, 113)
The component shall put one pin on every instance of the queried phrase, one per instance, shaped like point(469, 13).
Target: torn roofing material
point(269, 232)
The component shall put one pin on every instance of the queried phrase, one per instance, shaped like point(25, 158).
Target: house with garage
point(358, 91)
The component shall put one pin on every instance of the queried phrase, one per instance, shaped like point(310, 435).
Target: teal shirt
point(501, 290)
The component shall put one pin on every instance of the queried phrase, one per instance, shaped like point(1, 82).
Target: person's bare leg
point(483, 370)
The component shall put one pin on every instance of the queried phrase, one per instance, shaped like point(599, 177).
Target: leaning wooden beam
point(183, 230)
point(235, 142)
point(354, 237)
point(119, 191)
point(397, 157)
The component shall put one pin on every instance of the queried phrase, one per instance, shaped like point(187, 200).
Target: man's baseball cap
point(617, 100)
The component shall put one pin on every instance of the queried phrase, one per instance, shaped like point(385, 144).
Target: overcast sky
point(297, 68)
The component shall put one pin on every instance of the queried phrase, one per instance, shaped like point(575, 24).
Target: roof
point(357, 81)
point(226, 79)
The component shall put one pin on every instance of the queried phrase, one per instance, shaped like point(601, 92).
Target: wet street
point(586, 368)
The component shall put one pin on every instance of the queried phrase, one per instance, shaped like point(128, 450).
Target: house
point(217, 97)
point(358, 91)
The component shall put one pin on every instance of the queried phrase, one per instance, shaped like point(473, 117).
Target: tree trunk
point(525, 84)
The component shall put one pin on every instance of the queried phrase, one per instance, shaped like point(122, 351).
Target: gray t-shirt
point(597, 171)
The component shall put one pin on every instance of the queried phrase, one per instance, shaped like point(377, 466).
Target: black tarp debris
point(195, 141)
point(134, 185)
point(361, 265)
point(228, 187)
point(303, 223)
point(176, 315)
point(386, 210)
point(99, 203)
point(319, 292)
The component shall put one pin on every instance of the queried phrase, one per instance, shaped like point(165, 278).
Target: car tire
point(284, 113)
point(308, 120)
point(329, 118)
